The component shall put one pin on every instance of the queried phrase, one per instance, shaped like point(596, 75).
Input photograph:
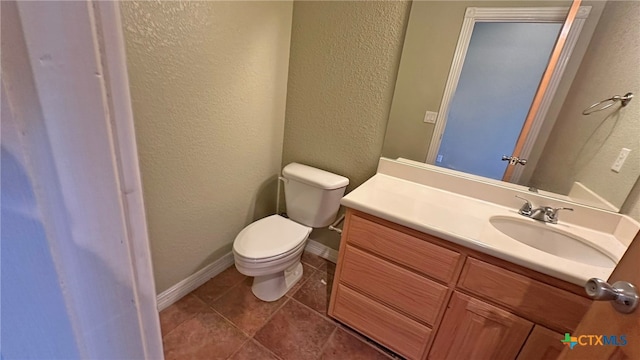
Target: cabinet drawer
point(397, 287)
point(542, 303)
point(387, 327)
point(415, 253)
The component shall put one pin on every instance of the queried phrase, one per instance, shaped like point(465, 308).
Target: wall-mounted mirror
point(571, 155)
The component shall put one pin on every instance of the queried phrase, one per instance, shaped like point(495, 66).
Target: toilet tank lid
point(314, 176)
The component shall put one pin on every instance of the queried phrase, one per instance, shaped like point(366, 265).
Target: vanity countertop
point(464, 220)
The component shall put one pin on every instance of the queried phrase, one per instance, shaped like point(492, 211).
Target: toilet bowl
point(270, 249)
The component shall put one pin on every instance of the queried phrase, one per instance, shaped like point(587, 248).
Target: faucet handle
point(553, 214)
point(526, 208)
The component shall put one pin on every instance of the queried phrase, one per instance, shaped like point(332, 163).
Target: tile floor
point(223, 320)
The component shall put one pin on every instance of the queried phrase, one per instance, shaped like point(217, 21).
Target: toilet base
point(272, 287)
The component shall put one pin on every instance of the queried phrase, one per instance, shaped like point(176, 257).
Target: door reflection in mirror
point(501, 72)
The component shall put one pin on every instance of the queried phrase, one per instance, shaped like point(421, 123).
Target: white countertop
point(464, 220)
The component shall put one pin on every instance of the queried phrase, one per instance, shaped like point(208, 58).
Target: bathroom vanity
point(423, 271)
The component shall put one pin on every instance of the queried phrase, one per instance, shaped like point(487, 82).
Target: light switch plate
point(617, 164)
point(430, 117)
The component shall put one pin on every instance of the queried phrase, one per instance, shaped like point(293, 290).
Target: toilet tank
point(312, 195)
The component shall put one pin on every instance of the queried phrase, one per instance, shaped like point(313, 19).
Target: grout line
point(324, 317)
point(352, 332)
point(221, 294)
point(315, 311)
point(231, 322)
point(240, 348)
point(301, 282)
point(236, 326)
point(324, 347)
point(185, 320)
point(311, 266)
point(319, 257)
point(270, 317)
point(252, 337)
point(259, 344)
point(210, 306)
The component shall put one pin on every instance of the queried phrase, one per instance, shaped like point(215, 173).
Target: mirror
point(573, 154)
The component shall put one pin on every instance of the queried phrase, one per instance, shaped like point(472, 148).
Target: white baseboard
point(321, 250)
point(179, 290)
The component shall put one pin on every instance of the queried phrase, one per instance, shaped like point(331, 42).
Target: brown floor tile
point(295, 332)
point(343, 345)
point(181, 311)
point(307, 271)
point(253, 351)
point(388, 353)
point(244, 309)
point(205, 336)
point(313, 260)
point(316, 292)
point(330, 271)
point(329, 268)
point(217, 286)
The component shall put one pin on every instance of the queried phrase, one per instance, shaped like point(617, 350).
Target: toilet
point(270, 249)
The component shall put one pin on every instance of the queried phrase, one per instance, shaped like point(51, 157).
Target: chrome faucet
point(546, 214)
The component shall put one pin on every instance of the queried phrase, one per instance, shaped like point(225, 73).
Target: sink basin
point(556, 242)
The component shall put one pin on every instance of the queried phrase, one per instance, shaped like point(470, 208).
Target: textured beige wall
point(208, 82)
point(430, 43)
point(631, 206)
point(343, 66)
point(583, 148)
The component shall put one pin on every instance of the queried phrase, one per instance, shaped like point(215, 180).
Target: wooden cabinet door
point(542, 344)
point(473, 329)
point(603, 319)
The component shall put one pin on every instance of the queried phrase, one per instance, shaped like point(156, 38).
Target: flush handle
point(623, 295)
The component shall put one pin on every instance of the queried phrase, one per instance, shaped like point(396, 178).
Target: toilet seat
point(270, 265)
point(270, 238)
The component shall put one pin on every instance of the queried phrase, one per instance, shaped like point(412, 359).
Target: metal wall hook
point(624, 100)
